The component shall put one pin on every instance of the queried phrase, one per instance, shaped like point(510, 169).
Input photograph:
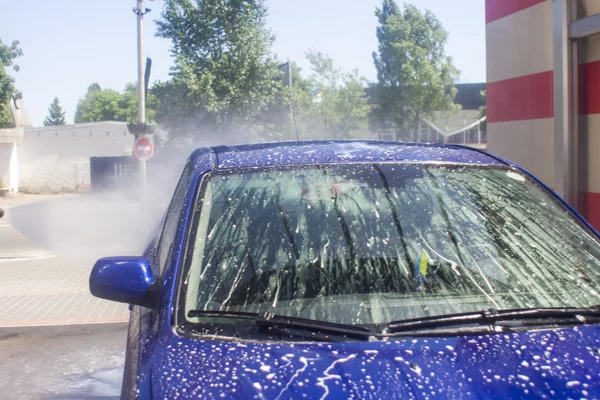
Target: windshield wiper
point(221, 314)
point(497, 319)
point(293, 326)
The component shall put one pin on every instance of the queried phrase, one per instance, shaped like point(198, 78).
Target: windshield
point(367, 244)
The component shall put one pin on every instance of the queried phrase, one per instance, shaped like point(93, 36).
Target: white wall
point(57, 159)
point(8, 157)
point(8, 170)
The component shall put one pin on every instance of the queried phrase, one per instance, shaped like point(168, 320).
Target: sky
point(69, 44)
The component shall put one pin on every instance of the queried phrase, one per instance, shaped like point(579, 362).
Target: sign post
point(143, 148)
point(140, 11)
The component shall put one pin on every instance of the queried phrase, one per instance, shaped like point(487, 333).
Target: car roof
point(338, 151)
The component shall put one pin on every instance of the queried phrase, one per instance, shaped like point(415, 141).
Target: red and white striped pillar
point(520, 93)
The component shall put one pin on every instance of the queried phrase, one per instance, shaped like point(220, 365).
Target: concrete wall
point(8, 166)
point(520, 93)
point(9, 173)
point(589, 118)
point(57, 159)
point(520, 84)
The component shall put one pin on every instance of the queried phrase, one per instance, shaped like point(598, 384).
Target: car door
point(143, 322)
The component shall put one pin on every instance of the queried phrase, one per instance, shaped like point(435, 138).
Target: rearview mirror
point(126, 280)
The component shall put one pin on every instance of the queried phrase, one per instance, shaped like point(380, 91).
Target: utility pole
point(290, 85)
point(140, 11)
point(286, 69)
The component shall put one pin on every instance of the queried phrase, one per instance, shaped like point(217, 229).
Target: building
point(543, 102)
point(56, 158)
point(9, 139)
point(466, 126)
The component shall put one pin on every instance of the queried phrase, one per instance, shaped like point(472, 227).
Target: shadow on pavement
point(62, 362)
point(98, 385)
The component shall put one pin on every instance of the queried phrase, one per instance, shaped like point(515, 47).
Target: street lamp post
point(140, 11)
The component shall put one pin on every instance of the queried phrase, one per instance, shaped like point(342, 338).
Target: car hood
point(562, 363)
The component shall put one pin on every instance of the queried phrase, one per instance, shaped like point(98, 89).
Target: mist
point(85, 227)
point(93, 225)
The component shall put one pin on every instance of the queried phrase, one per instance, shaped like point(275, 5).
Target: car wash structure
point(543, 93)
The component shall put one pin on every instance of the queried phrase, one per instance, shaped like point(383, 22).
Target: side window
point(169, 229)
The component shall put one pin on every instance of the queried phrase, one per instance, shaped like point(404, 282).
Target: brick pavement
point(40, 288)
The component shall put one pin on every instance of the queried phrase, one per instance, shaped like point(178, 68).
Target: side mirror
point(126, 280)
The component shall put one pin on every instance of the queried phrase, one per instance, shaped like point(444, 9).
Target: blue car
point(363, 270)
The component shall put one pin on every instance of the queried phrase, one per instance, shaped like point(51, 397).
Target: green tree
point(340, 106)
point(109, 105)
point(98, 105)
point(225, 78)
point(7, 89)
point(94, 87)
point(415, 76)
point(56, 115)
point(128, 104)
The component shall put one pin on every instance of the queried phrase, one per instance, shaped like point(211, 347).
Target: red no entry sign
point(143, 148)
